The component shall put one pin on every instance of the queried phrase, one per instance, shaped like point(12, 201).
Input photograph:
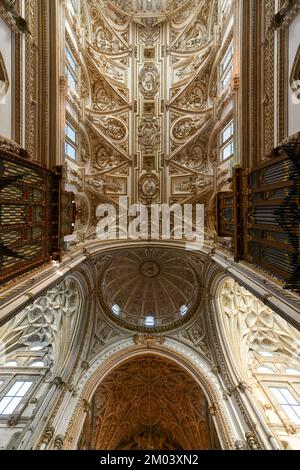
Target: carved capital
point(47, 435)
point(252, 441)
point(240, 445)
point(59, 442)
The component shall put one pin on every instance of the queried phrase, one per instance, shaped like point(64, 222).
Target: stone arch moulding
point(127, 349)
point(4, 80)
point(259, 328)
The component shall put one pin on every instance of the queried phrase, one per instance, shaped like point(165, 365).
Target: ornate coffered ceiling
point(148, 85)
point(148, 404)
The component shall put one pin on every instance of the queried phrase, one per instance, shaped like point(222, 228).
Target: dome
point(148, 289)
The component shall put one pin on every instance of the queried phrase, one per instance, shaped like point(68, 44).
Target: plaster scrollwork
point(186, 70)
point(185, 128)
point(47, 435)
point(105, 184)
point(195, 98)
point(252, 441)
point(106, 158)
point(104, 42)
point(58, 442)
point(104, 99)
point(197, 35)
point(148, 340)
point(193, 184)
point(113, 128)
point(194, 157)
point(240, 445)
point(149, 32)
point(119, 20)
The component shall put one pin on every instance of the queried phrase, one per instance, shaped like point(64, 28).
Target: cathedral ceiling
point(148, 403)
point(149, 84)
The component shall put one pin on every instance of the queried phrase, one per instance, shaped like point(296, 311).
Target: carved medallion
point(150, 269)
point(149, 186)
point(114, 128)
point(185, 128)
point(149, 80)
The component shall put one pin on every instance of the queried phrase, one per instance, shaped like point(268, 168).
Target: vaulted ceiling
point(149, 82)
point(149, 403)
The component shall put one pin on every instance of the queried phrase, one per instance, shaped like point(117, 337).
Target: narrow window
point(226, 68)
point(71, 69)
point(226, 144)
point(71, 142)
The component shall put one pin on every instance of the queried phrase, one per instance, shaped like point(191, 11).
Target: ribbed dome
point(149, 288)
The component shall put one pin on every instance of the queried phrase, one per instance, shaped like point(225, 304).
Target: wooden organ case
point(35, 213)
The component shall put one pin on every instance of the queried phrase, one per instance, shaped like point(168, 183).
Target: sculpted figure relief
point(149, 32)
point(194, 184)
point(149, 80)
point(104, 99)
point(149, 134)
point(106, 42)
point(194, 158)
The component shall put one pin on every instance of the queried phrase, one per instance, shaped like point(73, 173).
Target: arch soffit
point(114, 356)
